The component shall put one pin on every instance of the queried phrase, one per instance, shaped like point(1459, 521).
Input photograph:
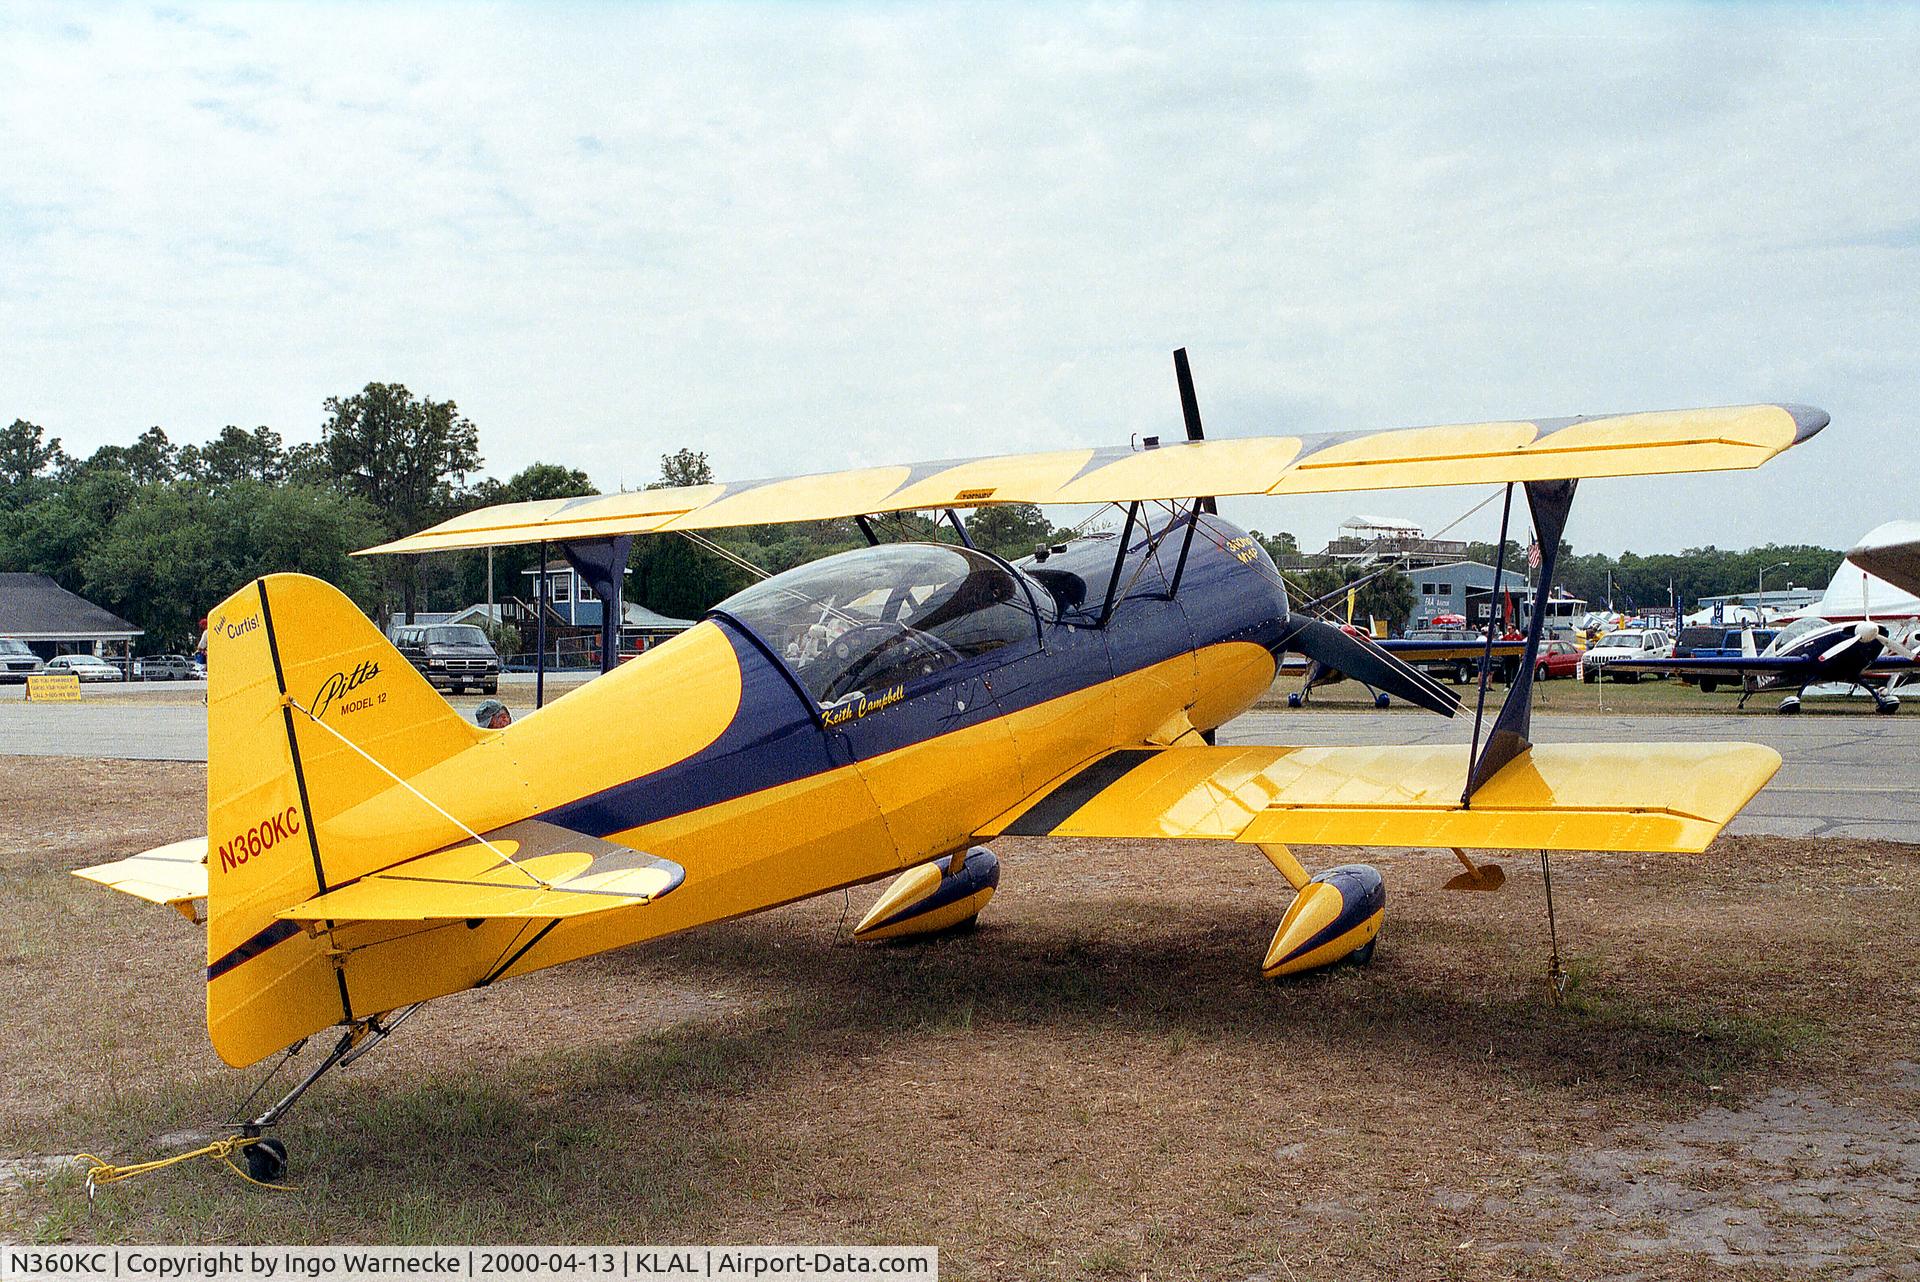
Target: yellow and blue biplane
point(880, 713)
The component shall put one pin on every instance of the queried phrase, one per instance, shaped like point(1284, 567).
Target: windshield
point(9, 645)
point(865, 621)
point(1620, 641)
point(454, 634)
point(1794, 632)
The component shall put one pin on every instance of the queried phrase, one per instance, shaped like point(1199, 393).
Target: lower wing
point(1609, 796)
point(1728, 666)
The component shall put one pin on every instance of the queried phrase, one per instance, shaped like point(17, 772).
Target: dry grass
point(1094, 1084)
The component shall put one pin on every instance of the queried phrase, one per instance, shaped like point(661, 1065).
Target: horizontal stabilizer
point(1599, 796)
point(530, 870)
point(174, 874)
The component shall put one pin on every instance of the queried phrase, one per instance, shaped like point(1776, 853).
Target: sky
point(802, 237)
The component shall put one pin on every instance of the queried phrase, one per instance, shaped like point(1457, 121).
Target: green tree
point(1387, 596)
point(236, 455)
point(1279, 546)
point(177, 550)
point(1011, 530)
point(406, 457)
point(28, 459)
point(683, 467)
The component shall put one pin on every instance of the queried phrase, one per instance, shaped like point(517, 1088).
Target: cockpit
point(865, 621)
point(1794, 633)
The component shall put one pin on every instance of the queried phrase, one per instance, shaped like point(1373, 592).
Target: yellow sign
point(54, 687)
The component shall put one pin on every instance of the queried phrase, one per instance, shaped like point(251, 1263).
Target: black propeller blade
point(1190, 407)
point(1367, 663)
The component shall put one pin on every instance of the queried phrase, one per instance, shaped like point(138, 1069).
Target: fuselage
point(1830, 653)
point(731, 751)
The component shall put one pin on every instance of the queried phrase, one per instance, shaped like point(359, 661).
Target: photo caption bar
point(471, 1263)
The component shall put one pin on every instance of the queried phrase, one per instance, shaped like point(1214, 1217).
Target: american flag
point(1533, 555)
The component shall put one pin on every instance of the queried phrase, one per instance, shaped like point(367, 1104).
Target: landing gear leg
point(267, 1156)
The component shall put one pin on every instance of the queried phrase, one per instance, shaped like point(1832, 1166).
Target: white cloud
point(801, 237)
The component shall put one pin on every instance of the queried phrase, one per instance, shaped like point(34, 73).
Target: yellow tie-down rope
point(99, 1172)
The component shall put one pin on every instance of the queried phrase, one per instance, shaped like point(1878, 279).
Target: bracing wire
point(429, 802)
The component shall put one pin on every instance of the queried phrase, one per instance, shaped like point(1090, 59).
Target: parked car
point(17, 660)
point(1556, 659)
point(1627, 643)
point(168, 667)
point(454, 655)
point(88, 667)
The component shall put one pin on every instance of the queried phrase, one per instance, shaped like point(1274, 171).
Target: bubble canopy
point(865, 621)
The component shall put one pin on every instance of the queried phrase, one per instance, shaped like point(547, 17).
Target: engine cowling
point(1335, 915)
point(929, 898)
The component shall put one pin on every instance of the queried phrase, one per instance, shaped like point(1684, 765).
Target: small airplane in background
point(880, 713)
point(1850, 639)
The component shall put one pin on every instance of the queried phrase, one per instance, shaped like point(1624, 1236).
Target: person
point(493, 715)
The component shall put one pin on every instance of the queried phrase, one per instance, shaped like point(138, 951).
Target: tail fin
point(297, 678)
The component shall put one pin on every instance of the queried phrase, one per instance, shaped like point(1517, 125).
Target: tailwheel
point(267, 1160)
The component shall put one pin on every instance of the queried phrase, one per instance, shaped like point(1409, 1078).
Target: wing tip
point(1807, 420)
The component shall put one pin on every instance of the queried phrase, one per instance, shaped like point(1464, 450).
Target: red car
point(1557, 659)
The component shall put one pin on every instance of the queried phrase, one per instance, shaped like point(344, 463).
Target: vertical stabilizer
point(281, 648)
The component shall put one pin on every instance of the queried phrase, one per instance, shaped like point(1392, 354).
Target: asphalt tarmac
point(1846, 775)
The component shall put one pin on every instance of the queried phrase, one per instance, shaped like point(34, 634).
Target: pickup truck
point(453, 655)
point(1716, 642)
point(17, 660)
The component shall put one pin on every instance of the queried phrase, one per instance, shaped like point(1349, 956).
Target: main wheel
point(267, 1160)
point(1363, 954)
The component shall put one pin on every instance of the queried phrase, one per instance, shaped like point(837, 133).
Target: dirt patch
point(1096, 1084)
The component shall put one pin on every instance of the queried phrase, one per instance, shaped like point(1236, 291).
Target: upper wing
point(1611, 796)
point(1699, 440)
